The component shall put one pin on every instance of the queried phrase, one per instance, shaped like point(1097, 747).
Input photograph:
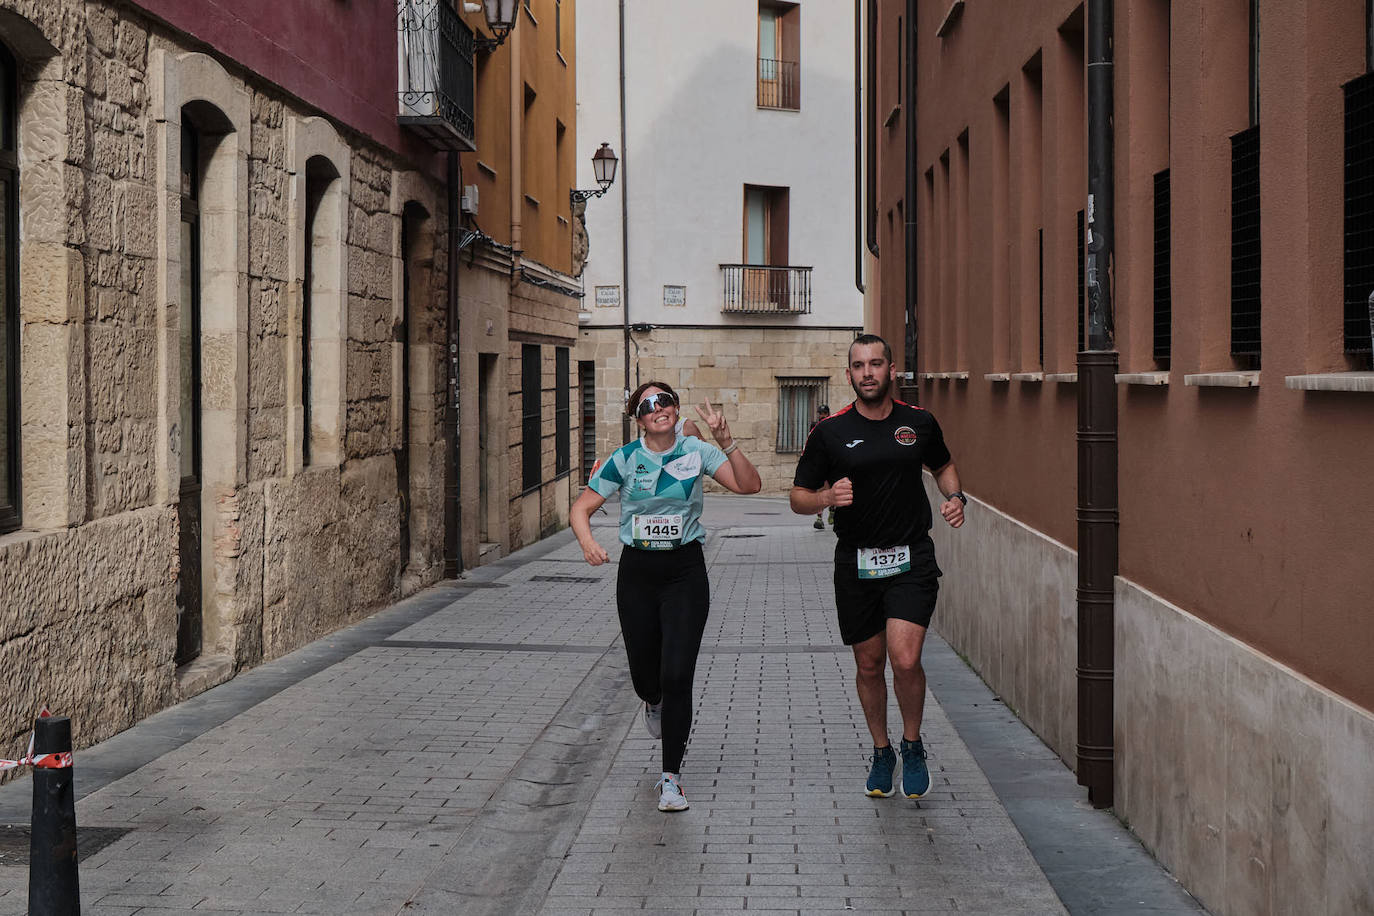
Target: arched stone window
point(319, 175)
point(415, 360)
point(202, 267)
point(9, 294)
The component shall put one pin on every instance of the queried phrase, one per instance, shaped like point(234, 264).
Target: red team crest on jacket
point(904, 435)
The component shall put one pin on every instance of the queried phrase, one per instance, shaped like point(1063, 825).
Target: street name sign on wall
point(607, 297)
point(674, 296)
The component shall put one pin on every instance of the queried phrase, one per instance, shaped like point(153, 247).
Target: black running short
point(865, 606)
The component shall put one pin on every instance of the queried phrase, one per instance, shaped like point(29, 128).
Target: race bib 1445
point(657, 532)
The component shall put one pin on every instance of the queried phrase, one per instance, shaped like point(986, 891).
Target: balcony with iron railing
point(435, 74)
point(778, 86)
point(760, 289)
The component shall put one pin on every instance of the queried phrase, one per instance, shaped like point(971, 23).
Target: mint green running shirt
point(663, 491)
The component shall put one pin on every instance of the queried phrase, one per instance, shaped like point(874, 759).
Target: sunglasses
point(653, 402)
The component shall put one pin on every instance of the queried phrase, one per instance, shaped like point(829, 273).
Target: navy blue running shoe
point(880, 776)
point(915, 773)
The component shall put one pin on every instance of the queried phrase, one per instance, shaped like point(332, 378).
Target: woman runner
point(661, 591)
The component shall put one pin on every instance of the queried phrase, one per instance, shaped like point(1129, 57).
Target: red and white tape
point(59, 761)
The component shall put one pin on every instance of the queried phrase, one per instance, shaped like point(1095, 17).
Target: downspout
point(624, 230)
point(1098, 511)
point(858, 148)
point(453, 511)
point(909, 198)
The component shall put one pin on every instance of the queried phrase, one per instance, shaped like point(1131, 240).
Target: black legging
point(663, 598)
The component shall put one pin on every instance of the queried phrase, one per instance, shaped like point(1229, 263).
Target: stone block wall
point(88, 624)
point(735, 368)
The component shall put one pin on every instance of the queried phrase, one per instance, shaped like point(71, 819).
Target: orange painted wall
point(527, 171)
point(1250, 508)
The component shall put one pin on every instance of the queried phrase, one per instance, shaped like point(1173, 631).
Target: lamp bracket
point(584, 196)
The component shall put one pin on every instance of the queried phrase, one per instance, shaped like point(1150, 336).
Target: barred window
point(798, 399)
point(531, 391)
point(562, 411)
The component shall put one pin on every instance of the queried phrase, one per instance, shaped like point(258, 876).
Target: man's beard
point(879, 393)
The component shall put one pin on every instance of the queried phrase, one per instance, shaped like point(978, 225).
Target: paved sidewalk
point(477, 749)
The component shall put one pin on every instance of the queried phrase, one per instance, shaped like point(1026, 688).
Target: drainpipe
point(909, 205)
point(858, 148)
point(1098, 513)
point(453, 511)
point(624, 230)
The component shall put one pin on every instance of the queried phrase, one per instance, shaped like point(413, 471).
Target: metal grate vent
point(1359, 211)
point(728, 536)
point(1245, 244)
point(574, 579)
point(1163, 300)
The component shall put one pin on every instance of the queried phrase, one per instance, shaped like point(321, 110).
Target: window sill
point(944, 376)
point(561, 59)
point(1028, 377)
point(482, 166)
point(1063, 378)
point(997, 377)
point(1240, 379)
point(1142, 378)
point(532, 200)
point(1331, 381)
point(892, 116)
point(530, 13)
point(762, 107)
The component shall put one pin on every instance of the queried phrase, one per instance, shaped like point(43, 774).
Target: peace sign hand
point(715, 420)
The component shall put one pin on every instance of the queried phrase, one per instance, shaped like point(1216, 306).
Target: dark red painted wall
point(337, 55)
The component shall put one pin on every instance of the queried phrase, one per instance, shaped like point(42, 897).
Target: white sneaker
point(671, 798)
point(653, 719)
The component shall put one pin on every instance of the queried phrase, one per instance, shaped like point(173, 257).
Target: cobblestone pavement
point(488, 758)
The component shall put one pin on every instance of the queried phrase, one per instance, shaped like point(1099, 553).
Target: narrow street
point(478, 749)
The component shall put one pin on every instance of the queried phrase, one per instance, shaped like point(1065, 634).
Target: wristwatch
point(959, 495)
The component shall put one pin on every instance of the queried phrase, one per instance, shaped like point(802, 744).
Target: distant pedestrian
point(866, 461)
point(822, 412)
point(662, 594)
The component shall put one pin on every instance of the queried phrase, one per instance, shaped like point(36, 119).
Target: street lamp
point(500, 19)
point(603, 167)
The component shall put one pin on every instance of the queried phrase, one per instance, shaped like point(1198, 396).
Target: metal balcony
point(759, 289)
point(435, 72)
point(778, 86)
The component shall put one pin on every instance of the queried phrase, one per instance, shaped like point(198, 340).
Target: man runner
point(865, 460)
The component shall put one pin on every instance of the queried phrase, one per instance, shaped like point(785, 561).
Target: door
point(189, 522)
point(486, 375)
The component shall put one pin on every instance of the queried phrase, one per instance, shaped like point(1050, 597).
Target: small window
point(530, 394)
point(562, 412)
point(779, 56)
point(1081, 345)
point(1359, 218)
point(9, 299)
point(1245, 248)
point(798, 399)
point(1163, 298)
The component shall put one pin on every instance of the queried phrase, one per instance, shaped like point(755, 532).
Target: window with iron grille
point(1245, 246)
point(9, 300)
point(562, 412)
point(798, 399)
point(1080, 345)
point(530, 393)
point(1163, 301)
point(1359, 214)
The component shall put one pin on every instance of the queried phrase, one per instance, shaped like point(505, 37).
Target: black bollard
point(53, 889)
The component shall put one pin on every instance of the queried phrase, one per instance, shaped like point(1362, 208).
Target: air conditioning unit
point(469, 202)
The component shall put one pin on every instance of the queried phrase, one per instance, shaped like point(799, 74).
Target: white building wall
point(696, 136)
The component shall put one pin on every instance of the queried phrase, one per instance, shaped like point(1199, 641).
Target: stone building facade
point(224, 373)
point(723, 261)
